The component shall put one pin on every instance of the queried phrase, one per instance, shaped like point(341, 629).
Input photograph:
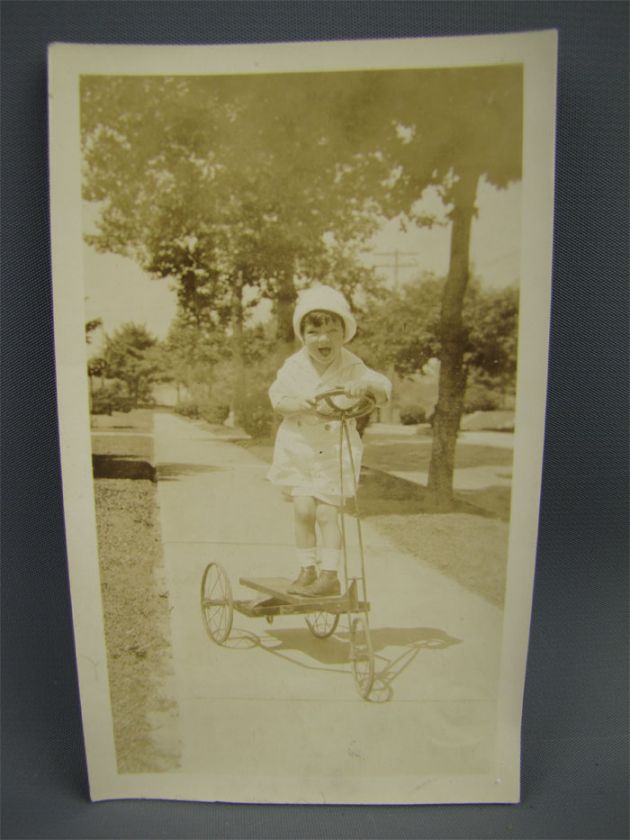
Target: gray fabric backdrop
point(575, 730)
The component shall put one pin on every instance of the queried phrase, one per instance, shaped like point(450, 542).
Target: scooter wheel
point(217, 607)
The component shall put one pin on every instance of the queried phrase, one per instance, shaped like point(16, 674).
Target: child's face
point(323, 337)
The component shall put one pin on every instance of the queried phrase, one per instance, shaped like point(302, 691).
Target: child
point(306, 454)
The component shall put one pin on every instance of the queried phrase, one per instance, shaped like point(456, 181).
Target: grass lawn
point(409, 455)
point(468, 544)
point(135, 600)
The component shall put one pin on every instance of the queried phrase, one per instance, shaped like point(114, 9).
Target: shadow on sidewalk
point(333, 653)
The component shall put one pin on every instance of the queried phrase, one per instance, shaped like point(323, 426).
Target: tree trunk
point(238, 356)
point(452, 380)
point(284, 306)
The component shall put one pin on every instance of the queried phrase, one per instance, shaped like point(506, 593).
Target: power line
point(397, 264)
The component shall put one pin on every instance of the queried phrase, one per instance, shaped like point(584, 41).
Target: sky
point(495, 241)
point(118, 291)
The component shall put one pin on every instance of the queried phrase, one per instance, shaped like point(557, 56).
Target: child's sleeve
point(378, 381)
point(278, 389)
point(286, 384)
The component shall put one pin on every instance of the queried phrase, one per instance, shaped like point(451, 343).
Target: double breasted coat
point(309, 455)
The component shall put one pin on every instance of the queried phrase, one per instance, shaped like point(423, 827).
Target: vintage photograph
point(301, 303)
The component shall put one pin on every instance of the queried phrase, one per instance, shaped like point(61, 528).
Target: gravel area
point(136, 612)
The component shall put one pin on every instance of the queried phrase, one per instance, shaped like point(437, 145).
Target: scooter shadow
point(300, 647)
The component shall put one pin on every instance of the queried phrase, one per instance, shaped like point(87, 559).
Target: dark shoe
point(326, 584)
point(307, 576)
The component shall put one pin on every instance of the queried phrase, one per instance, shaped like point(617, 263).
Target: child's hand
point(356, 388)
point(307, 406)
point(303, 406)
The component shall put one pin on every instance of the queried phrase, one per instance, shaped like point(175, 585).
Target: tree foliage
point(218, 180)
point(189, 354)
point(491, 323)
point(90, 327)
point(131, 355)
point(238, 186)
point(403, 330)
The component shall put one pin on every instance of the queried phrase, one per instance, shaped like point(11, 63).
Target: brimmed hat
point(324, 299)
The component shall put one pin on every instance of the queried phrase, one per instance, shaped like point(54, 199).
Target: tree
point(491, 324)
point(190, 354)
point(447, 129)
point(235, 197)
point(463, 125)
point(239, 183)
point(131, 355)
point(404, 330)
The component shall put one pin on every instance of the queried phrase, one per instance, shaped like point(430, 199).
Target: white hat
point(325, 299)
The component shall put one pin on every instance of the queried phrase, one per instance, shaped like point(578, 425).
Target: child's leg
point(304, 518)
point(328, 520)
point(328, 582)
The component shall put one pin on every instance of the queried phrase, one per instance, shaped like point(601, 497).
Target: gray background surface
point(575, 751)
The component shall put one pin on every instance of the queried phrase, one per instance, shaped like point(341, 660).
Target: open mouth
point(325, 351)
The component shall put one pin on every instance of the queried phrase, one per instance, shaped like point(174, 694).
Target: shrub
point(188, 408)
point(481, 398)
point(123, 403)
point(110, 397)
point(208, 409)
point(256, 415)
point(213, 411)
point(101, 402)
point(411, 415)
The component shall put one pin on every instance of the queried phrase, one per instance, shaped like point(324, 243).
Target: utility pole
point(396, 264)
point(386, 412)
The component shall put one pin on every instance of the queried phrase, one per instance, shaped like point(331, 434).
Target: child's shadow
point(403, 644)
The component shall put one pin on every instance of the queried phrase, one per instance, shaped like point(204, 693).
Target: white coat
point(307, 450)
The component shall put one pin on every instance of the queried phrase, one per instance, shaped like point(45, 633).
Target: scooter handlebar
point(363, 405)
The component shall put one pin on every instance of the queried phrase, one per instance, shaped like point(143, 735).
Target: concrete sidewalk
point(276, 700)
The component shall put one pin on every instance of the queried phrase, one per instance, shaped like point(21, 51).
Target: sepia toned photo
point(301, 313)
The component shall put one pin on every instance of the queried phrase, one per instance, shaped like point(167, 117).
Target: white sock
point(306, 556)
point(330, 559)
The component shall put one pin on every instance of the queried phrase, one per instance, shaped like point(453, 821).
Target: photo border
point(537, 52)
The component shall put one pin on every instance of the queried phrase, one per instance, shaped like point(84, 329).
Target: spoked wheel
point(362, 655)
point(216, 603)
point(322, 624)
